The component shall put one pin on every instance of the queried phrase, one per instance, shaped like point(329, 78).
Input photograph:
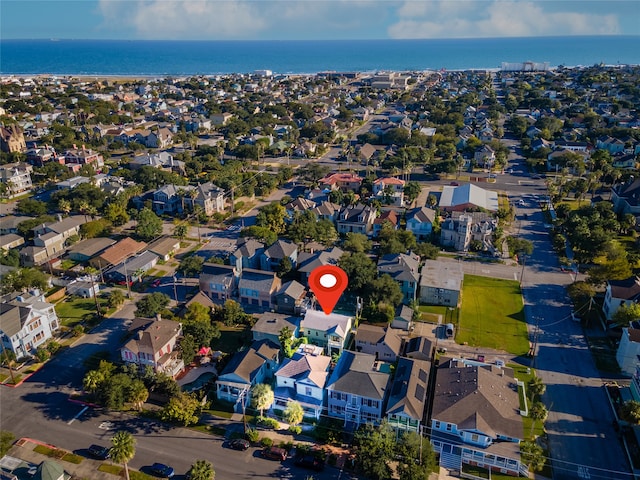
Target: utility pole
point(522, 272)
point(175, 290)
point(126, 279)
point(9, 361)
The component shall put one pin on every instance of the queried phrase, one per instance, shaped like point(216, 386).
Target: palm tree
point(261, 397)
point(92, 380)
point(139, 273)
point(202, 470)
point(536, 388)
point(123, 450)
point(138, 394)
point(116, 298)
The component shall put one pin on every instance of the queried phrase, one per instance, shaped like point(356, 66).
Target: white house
point(27, 321)
point(302, 378)
point(628, 354)
point(620, 292)
point(330, 331)
point(389, 190)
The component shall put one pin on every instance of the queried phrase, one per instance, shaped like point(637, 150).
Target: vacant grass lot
point(72, 309)
point(231, 339)
point(492, 315)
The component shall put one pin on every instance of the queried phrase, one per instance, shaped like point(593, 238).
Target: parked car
point(99, 452)
point(239, 444)
point(156, 283)
point(275, 453)
point(309, 461)
point(162, 470)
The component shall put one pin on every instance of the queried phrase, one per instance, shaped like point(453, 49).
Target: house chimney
point(158, 317)
point(140, 334)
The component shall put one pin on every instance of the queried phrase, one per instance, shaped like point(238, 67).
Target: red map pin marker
point(327, 283)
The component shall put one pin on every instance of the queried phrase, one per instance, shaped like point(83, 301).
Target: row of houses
point(476, 414)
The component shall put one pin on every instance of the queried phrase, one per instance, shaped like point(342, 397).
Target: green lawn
point(430, 313)
point(231, 339)
point(71, 309)
point(492, 315)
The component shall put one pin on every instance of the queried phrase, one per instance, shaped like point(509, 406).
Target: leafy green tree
point(375, 449)
point(202, 470)
point(272, 216)
point(152, 304)
point(626, 314)
point(426, 250)
point(31, 207)
point(286, 341)
point(519, 246)
point(116, 298)
point(137, 394)
point(630, 412)
point(411, 191)
point(233, 314)
point(182, 408)
point(25, 229)
point(262, 234)
point(284, 267)
point(188, 348)
point(385, 289)
point(95, 228)
point(23, 279)
point(149, 225)
point(123, 449)
point(116, 213)
point(357, 243)
point(6, 441)
point(418, 459)
point(10, 258)
point(360, 270)
point(261, 397)
point(532, 454)
point(293, 413)
point(191, 266)
point(180, 231)
point(581, 291)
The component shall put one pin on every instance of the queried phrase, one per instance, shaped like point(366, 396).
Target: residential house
point(291, 298)
point(218, 282)
point(329, 331)
point(269, 325)
point(347, 182)
point(220, 119)
point(356, 219)
point(83, 288)
point(85, 249)
point(72, 182)
point(403, 268)
point(246, 369)
point(257, 288)
point(388, 216)
point(307, 262)
point(628, 353)
point(419, 348)
point(9, 224)
point(154, 344)
point(327, 211)
point(65, 227)
point(357, 389)
point(476, 418)
point(610, 144)
point(31, 256)
point(160, 160)
point(485, 156)
point(365, 153)
point(27, 322)
point(273, 256)
point(132, 269)
point(389, 190)
point(441, 283)
point(572, 145)
point(298, 206)
point(420, 222)
point(9, 241)
point(12, 139)
point(52, 242)
point(618, 293)
point(625, 161)
point(165, 247)
point(403, 319)
point(459, 230)
point(38, 156)
point(467, 197)
point(408, 395)
point(17, 178)
point(626, 197)
point(208, 197)
point(117, 253)
point(83, 156)
point(170, 199)
point(384, 343)
point(247, 254)
point(302, 378)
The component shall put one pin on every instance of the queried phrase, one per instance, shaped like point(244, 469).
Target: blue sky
point(314, 19)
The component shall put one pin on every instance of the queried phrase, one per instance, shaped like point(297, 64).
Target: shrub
point(42, 354)
point(288, 446)
point(78, 330)
point(295, 429)
point(268, 423)
point(253, 435)
point(53, 347)
point(266, 442)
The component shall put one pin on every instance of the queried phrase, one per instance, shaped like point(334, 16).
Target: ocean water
point(153, 58)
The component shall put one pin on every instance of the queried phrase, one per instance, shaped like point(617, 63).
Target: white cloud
point(497, 18)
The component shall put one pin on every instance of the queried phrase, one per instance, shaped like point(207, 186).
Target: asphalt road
point(582, 441)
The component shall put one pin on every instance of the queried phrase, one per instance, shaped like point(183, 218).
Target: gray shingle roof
point(408, 392)
point(468, 194)
point(400, 266)
point(355, 374)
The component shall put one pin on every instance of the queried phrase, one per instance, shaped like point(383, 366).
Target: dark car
point(275, 453)
point(162, 470)
point(239, 444)
point(309, 461)
point(98, 451)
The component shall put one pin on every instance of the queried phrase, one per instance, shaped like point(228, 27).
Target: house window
point(307, 391)
point(449, 427)
point(436, 425)
point(474, 437)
